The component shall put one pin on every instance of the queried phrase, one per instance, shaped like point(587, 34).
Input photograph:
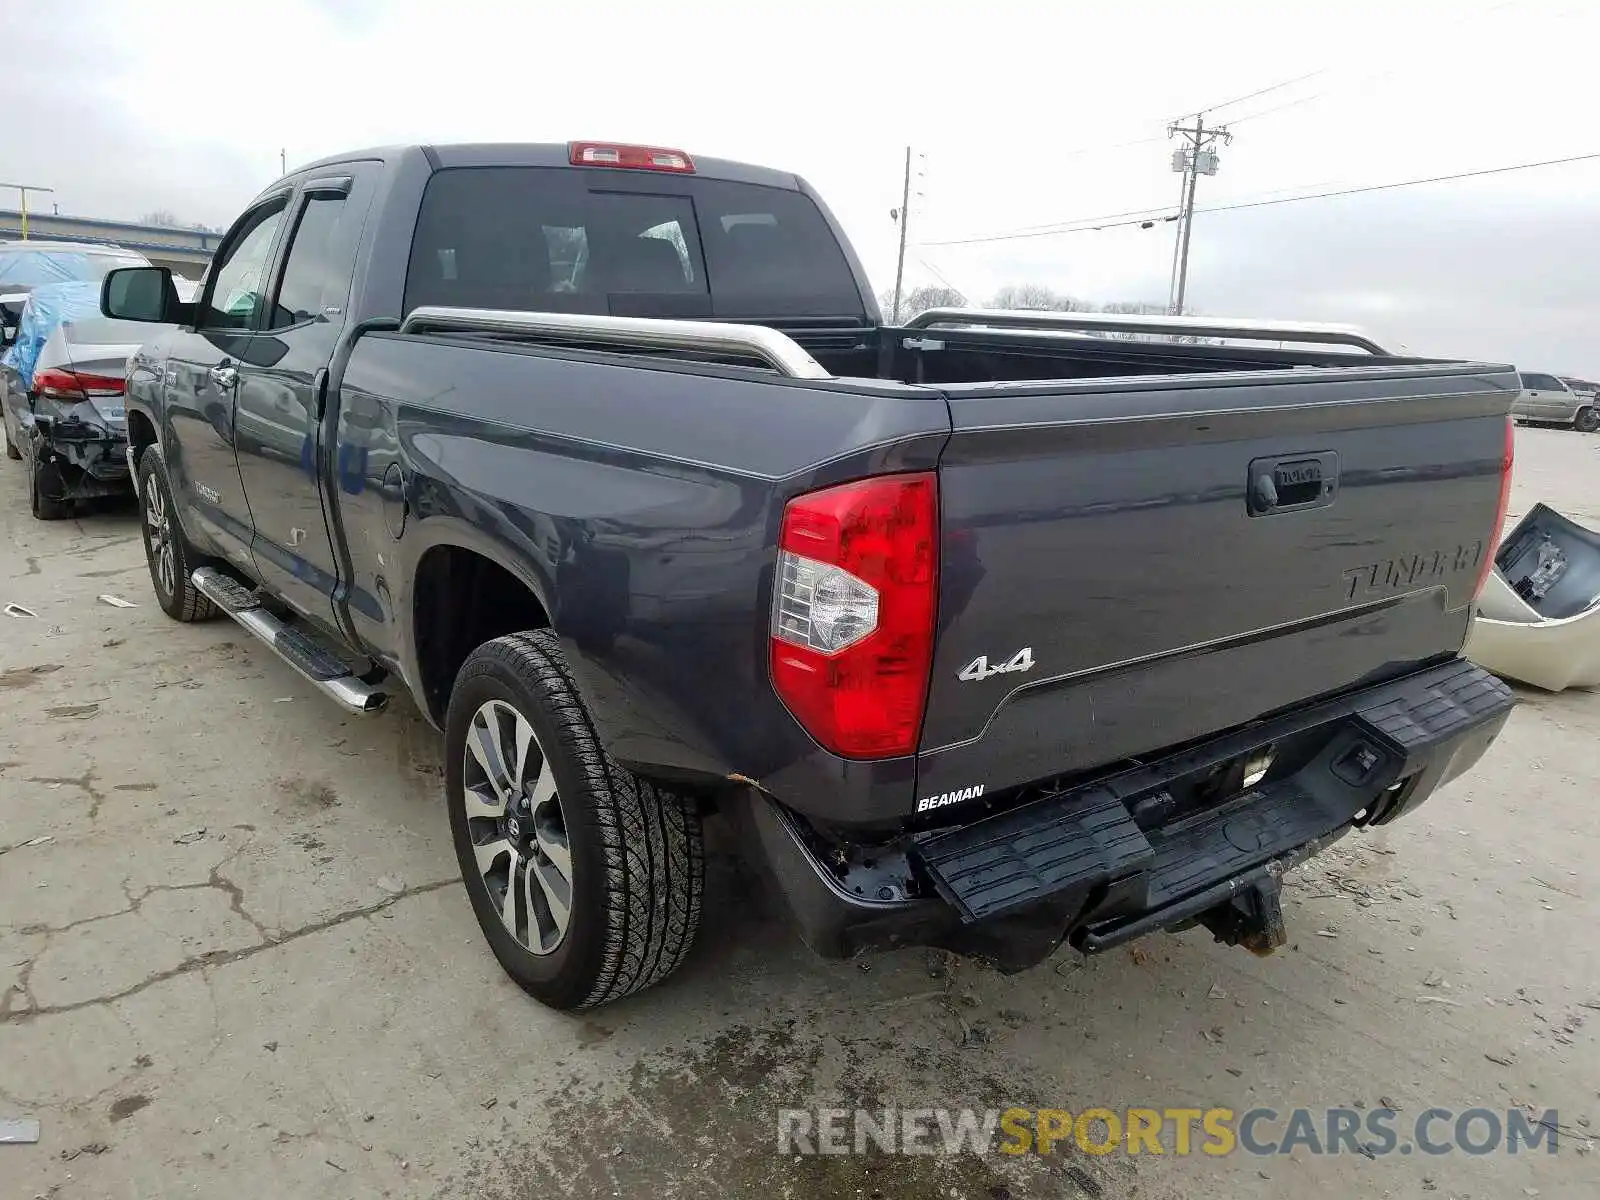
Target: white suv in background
point(1546, 399)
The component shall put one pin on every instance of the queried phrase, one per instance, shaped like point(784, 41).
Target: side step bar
point(306, 655)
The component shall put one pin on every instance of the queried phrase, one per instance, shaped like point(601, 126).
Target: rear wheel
point(13, 446)
point(1587, 421)
point(167, 551)
point(585, 880)
point(47, 493)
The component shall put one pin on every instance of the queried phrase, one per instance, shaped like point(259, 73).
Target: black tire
point(181, 600)
point(636, 854)
point(1587, 420)
point(45, 486)
point(13, 450)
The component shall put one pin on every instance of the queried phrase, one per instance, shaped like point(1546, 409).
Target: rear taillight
point(74, 386)
point(1493, 545)
point(853, 612)
point(634, 158)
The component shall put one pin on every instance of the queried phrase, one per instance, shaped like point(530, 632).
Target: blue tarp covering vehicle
point(26, 268)
point(48, 305)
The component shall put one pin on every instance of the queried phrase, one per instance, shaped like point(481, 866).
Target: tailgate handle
point(1290, 482)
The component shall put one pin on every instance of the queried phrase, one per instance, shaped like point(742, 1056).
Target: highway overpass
point(186, 251)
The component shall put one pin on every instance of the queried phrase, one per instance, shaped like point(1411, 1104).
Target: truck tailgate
point(1128, 564)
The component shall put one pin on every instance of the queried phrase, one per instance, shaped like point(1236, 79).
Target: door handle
point(224, 377)
point(1292, 482)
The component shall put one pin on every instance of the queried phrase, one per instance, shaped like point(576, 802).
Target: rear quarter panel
point(640, 504)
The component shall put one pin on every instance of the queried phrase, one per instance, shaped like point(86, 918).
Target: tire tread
point(189, 604)
point(650, 839)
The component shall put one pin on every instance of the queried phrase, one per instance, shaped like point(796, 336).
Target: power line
point(944, 279)
point(1405, 183)
point(1055, 226)
point(1142, 216)
point(1267, 112)
point(1335, 85)
point(1211, 108)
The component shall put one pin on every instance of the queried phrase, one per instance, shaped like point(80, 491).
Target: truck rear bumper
point(1102, 862)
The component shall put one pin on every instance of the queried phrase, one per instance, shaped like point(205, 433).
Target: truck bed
point(1103, 536)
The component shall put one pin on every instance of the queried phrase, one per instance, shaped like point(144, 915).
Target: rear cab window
point(621, 243)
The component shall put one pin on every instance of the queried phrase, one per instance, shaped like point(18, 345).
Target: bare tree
point(161, 216)
point(1034, 296)
point(1138, 308)
point(920, 300)
point(1147, 308)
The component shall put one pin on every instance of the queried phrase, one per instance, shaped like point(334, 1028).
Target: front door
point(282, 393)
point(202, 376)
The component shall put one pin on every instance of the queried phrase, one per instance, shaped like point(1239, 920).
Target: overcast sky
point(1019, 113)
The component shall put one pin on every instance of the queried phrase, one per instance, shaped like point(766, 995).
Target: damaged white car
point(1537, 619)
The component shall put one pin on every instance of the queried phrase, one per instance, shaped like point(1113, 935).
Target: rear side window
point(316, 275)
point(624, 244)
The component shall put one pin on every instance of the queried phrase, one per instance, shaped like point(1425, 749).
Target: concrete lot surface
point(241, 963)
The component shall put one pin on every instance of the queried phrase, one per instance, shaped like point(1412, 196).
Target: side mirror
point(140, 294)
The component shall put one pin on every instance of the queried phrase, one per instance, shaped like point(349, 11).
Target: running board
point(302, 652)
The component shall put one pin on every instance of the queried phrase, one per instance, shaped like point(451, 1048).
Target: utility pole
point(903, 215)
point(1197, 158)
point(283, 162)
point(24, 189)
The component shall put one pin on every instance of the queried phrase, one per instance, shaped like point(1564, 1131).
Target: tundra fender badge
point(955, 797)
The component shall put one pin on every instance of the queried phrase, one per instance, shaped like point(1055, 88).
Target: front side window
point(236, 298)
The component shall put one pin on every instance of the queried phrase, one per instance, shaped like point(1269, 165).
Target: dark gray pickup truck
point(989, 632)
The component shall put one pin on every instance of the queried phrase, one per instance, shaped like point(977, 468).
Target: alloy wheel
point(158, 539)
point(517, 827)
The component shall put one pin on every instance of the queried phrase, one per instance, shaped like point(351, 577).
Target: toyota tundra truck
point(991, 631)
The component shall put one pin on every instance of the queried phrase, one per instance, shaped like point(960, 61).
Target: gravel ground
point(240, 962)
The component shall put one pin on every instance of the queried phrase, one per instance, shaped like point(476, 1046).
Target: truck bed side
point(640, 505)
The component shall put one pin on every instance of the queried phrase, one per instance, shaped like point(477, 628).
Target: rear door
point(202, 375)
point(1544, 397)
point(1129, 564)
point(282, 391)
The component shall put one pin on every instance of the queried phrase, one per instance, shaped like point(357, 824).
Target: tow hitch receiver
point(1252, 918)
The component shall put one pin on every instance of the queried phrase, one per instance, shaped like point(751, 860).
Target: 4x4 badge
point(979, 669)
